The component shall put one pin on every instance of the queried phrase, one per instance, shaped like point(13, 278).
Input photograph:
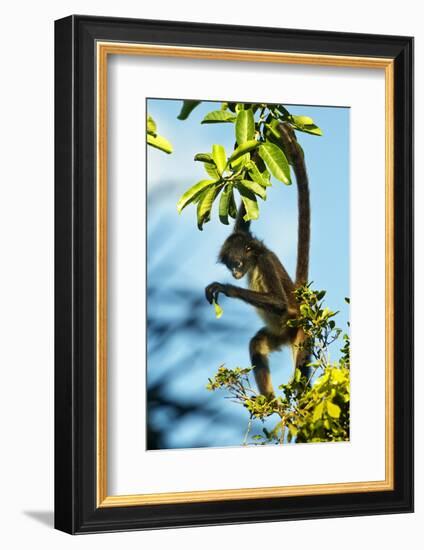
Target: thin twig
point(249, 426)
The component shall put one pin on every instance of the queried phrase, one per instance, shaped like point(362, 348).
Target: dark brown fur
point(270, 286)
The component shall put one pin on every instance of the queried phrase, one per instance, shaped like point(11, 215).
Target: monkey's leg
point(261, 345)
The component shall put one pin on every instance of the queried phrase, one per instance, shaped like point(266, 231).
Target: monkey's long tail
point(295, 154)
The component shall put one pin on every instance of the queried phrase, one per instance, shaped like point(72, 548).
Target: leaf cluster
point(246, 171)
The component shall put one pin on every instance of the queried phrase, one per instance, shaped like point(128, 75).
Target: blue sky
point(182, 257)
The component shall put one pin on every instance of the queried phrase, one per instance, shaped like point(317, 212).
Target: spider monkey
point(270, 286)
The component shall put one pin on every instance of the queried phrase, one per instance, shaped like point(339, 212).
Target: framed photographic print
point(234, 274)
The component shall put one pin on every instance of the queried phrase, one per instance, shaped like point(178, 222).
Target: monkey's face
point(238, 254)
point(237, 267)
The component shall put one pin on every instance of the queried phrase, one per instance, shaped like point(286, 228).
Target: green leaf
point(273, 130)
point(305, 310)
point(218, 310)
point(255, 187)
point(218, 116)
point(257, 176)
point(204, 206)
point(193, 193)
point(209, 164)
point(305, 124)
point(319, 409)
point(320, 295)
point(245, 126)
point(250, 204)
point(151, 126)
point(219, 156)
point(204, 157)
point(224, 203)
point(212, 171)
point(302, 120)
point(243, 149)
point(312, 129)
point(337, 376)
point(232, 207)
point(276, 161)
point(187, 108)
point(333, 409)
point(160, 143)
point(240, 162)
point(293, 429)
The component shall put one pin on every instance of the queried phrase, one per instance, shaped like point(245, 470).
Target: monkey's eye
point(248, 248)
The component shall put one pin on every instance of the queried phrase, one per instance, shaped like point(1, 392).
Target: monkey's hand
point(212, 292)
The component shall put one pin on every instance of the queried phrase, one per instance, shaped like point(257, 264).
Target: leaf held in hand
point(218, 310)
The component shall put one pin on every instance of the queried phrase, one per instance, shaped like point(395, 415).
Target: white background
point(130, 80)
point(26, 295)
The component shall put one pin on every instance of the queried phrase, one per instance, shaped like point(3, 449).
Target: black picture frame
point(76, 509)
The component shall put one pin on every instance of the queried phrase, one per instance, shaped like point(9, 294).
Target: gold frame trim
point(119, 48)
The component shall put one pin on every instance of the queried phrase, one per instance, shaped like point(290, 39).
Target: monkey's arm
point(274, 300)
point(262, 300)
